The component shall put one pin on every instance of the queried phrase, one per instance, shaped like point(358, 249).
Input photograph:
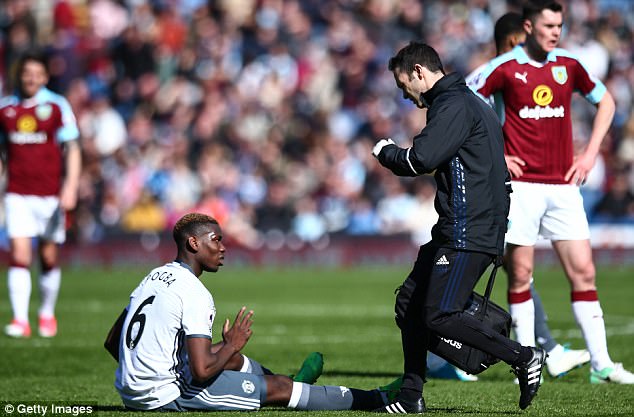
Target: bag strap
point(497, 262)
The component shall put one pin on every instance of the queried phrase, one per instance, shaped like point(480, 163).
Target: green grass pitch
point(344, 313)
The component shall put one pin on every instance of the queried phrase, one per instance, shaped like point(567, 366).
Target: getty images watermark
point(47, 409)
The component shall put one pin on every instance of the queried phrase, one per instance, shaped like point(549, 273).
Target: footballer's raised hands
point(206, 362)
point(239, 333)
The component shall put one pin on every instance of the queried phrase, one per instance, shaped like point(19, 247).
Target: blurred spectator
point(133, 56)
point(275, 213)
point(618, 203)
point(426, 215)
point(201, 104)
point(363, 218)
point(103, 125)
point(19, 30)
point(146, 215)
point(108, 18)
point(308, 224)
point(397, 210)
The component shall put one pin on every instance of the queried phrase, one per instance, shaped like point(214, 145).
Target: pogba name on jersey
point(539, 112)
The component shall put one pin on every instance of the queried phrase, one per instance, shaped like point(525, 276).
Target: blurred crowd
point(263, 113)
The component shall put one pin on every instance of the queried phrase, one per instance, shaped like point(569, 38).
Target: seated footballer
point(167, 361)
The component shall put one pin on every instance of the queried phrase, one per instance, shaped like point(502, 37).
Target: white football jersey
point(170, 304)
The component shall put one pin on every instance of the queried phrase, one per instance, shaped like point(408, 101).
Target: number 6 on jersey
point(137, 318)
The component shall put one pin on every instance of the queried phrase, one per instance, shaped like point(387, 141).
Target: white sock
point(555, 353)
point(296, 394)
point(522, 310)
point(19, 282)
point(246, 365)
point(589, 317)
point(49, 288)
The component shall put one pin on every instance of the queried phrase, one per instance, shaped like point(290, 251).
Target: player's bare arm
point(235, 363)
point(114, 336)
point(203, 363)
point(514, 165)
point(584, 162)
point(68, 194)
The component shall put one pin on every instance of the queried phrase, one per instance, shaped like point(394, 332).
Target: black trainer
point(529, 376)
point(403, 407)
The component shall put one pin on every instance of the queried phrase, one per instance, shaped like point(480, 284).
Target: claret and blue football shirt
point(533, 101)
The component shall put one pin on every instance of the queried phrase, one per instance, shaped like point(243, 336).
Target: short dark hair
point(191, 224)
point(36, 56)
point(534, 7)
point(415, 53)
point(507, 25)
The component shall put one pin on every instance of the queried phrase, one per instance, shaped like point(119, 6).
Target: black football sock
point(367, 400)
point(409, 395)
point(525, 355)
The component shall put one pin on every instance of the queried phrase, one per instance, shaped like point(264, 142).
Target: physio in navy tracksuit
point(463, 143)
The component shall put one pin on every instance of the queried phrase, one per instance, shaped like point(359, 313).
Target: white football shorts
point(552, 211)
point(34, 216)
